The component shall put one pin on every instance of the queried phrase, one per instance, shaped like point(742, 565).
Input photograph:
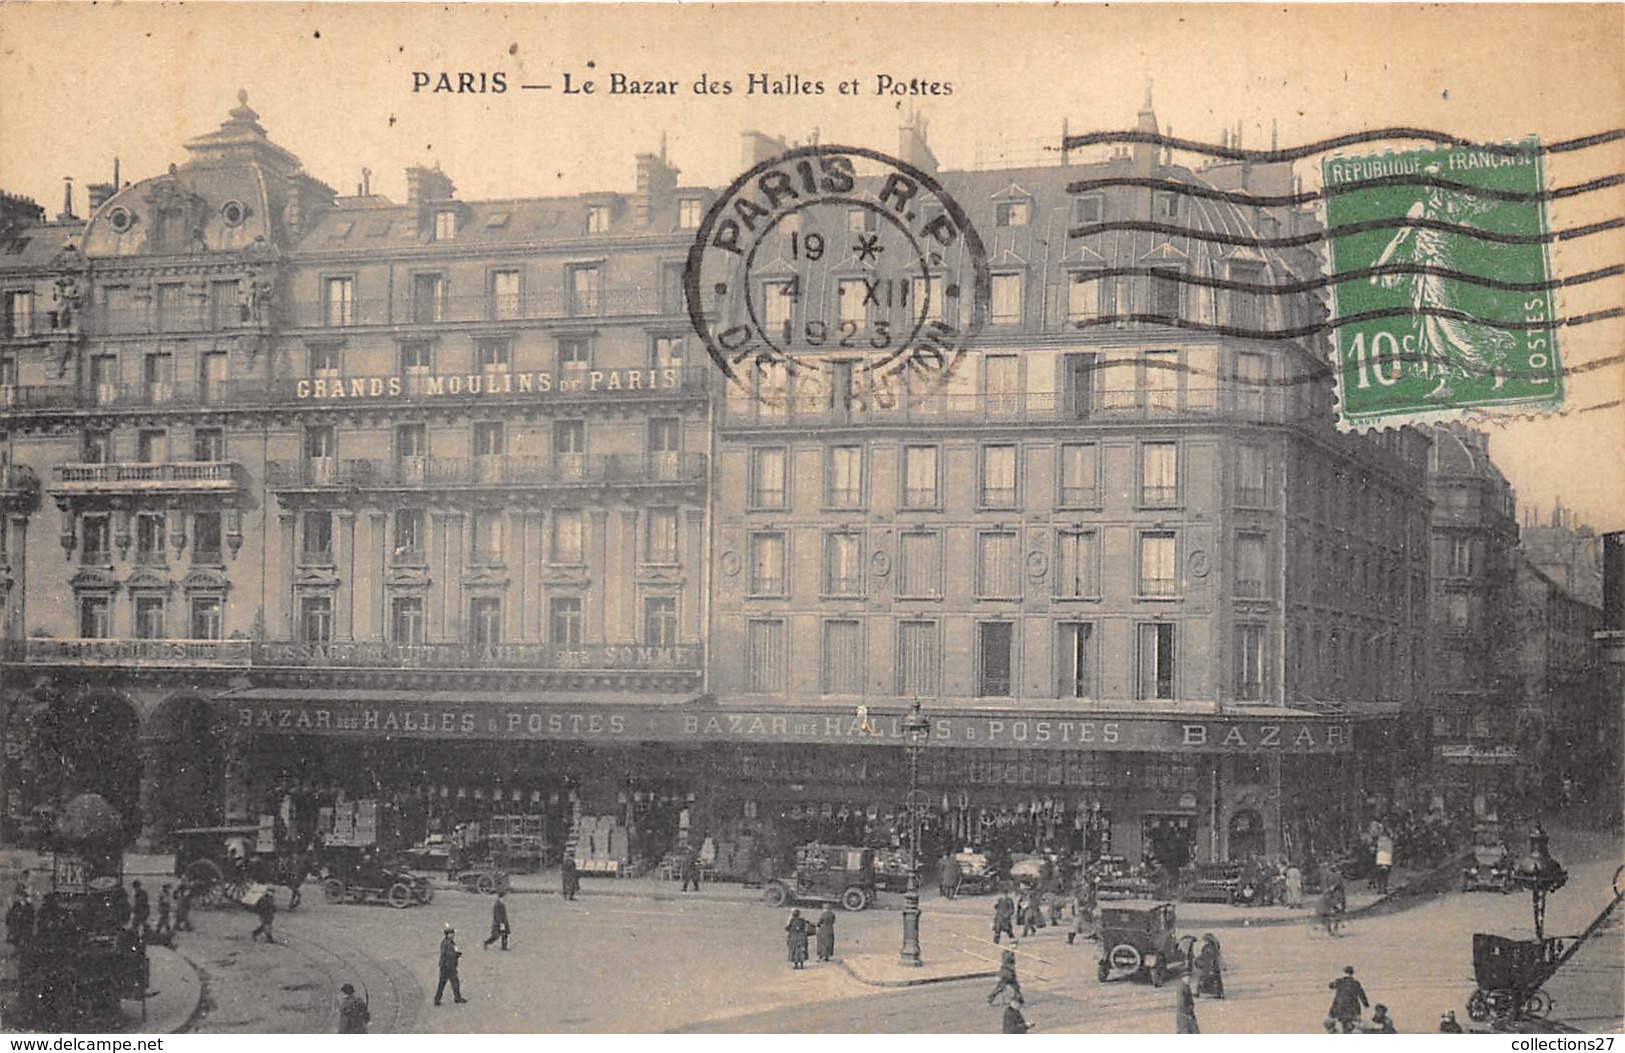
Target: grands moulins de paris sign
point(635, 724)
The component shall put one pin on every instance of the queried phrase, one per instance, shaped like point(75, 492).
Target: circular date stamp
point(836, 269)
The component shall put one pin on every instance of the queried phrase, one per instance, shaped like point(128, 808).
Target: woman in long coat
point(1185, 1009)
point(826, 935)
point(1210, 968)
point(796, 934)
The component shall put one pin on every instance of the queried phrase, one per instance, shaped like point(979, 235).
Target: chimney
point(66, 215)
point(366, 182)
point(99, 193)
point(759, 147)
point(912, 147)
point(426, 185)
point(1145, 156)
point(657, 181)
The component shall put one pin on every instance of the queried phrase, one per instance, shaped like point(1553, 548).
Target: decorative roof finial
point(1147, 105)
point(242, 96)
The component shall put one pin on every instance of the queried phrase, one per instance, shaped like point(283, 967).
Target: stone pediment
point(202, 579)
point(1013, 192)
point(1081, 253)
point(93, 578)
point(566, 575)
point(316, 578)
point(146, 578)
point(659, 576)
point(486, 577)
point(1165, 253)
point(408, 578)
point(1007, 257)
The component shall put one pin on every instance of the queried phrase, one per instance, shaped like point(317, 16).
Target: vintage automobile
point(976, 874)
point(1116, 878)
point(361, 875)
point(1139, 938)
point(826, 874)
point(1033, 873)
point(1489, 868)
point(892, 869)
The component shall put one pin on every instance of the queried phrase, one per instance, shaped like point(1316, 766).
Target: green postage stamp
point(1423, 266)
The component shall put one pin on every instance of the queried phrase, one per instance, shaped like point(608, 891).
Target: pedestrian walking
point(1004, 915)
point(826, 935)
point(796, 935)
point(1007, 980)
point(140, 909)
point(1083, 909)
point(1014, 1022)
point(1348, 1002)
point(1294, 887)
point(1057, 905)
point(20, 921)
point(354, 1014)
point(499, 922)
point(448, 968)
point(1381, 1022)
point(1327, 910)
point(569, 877)
point(1185, 1008)
point(1448, 1024)
point(948, 877)
point(1209, 968)
point(163, 931)
point(691, 870)
point(183, 907)
point(1385, 862)
point(265, 907)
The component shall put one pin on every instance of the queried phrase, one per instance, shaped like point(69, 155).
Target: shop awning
point(449, 715)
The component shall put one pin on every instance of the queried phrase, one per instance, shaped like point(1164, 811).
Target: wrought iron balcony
point(19, 488)
point(126, 477)
point(1097, 405)
point(625, 657)
point(146, 654)
point(491, 470)
point(606, 301)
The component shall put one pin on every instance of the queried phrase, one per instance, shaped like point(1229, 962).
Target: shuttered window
point(919, 659)
point(996, 566)
point(844, 660)
point(919, 574)
point(764, 656)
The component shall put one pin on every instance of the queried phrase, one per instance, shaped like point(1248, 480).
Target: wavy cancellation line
point(1294, 153)
point(1312, 284)
point(1241, 197)
point(1387, 223)
point(1178, 322)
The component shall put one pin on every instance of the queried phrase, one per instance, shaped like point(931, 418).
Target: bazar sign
point(1470, 753)
point(462, 656)
point(529, 382)
point(634, 724)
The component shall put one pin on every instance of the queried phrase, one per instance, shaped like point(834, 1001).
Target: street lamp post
point(917, 728)
point(1540, 874)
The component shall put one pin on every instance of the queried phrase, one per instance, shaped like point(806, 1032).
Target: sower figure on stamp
point(448, 968)
point(499, 922)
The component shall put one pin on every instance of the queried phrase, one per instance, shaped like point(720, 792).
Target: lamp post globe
point(916, 730)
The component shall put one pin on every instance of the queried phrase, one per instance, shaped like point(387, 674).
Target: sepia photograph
point(812, 519)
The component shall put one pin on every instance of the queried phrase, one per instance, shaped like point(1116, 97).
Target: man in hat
point(265, 907)
point(1381, 1022)
point(1448, 1024)
point(1004, 916)
point(499, 922)
point(183, 906)
point(448, 968)
point(163, 931)
point(141, 908)
point(1348, 1002)
point(354, 1016)
point(1007, 980)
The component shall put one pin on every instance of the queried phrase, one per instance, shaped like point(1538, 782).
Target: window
point(214, 376)
point(597, 219)
point(1155, 661)
point(843, 664)
point(1082, 296)
point(1080, 475)
point(208, 618)
point(1006, 306)
point(1157, 564)
point(1250, 663)
point(778, 302)
point(667, 352)
point(843, 563)
point(1458, 611)
point(1252, 380)
point(996, 566)
point(406, 621)
point(318, 546)
point(149, 618)
point(338, 301)
point(661, 543)
point(485, 526)
point(1250, 563)
point(152, 446)
point(660, 621)
point(411, 451)
point(928, 298)
point(1077, 563)
point(1088, 208)
point(1159, 474)
point(1252, 486)
point(1461, 556)
point(689, 213)
point(919, 659)
point(119, 314)
point(1012, 213)
point(104, 378)
point(581, 287)
point(767, 566)
point(1161, 380)
point(852, 292)
point(226, 307)
point(767, 477)
point(445, 224)
point(94, 547)
point(664, 444)
point(208, 444)
point(428, 298)
point(485, 621)
point(149, 537)
point(206, 536)
point(1073, 644)
point(569, 536)
point(492, 355)
point(323, 360)
point(575, 352)
point(920, 477)
point(1001, 382)
point(504, 293)
point(1164, 204)
point(20, 312)
point(993, 646)
point(764, 656)
point(158, 376)
point(998, 483)
point(95, 617)
point(919, 565)
point(490, 438)
point(408, 535)
point(316, 619)
point(861, 220)
point(169, 306)
point(570, 447)
point(843, 481)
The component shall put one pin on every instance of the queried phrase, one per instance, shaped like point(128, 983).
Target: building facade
point(312, 496)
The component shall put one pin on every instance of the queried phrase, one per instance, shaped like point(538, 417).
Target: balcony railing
point(631, 657)
point(492, 470)
point(207, 654)
point(541, 305)
point(19, 488)
point(126, 477)
point(1101, 405)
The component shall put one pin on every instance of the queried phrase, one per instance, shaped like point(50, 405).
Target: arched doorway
point(1246, 834)
point(86, 743)
point(185, 747)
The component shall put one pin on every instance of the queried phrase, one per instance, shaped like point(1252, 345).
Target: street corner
point(883, 970)
point(174, 994)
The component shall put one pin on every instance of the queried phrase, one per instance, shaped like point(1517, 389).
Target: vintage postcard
point(808, 519)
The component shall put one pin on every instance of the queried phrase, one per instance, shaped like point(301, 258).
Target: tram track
point(389, 989)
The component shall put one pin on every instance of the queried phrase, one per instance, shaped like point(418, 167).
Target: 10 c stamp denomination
point(836, 269)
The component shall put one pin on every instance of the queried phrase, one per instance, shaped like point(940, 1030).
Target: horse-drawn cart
point(223, 864)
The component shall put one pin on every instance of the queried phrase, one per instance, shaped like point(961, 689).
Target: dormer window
point(1089, 208)
point(445, 224)
point(861, 220)
point(1165, 205)
point(1013, 213)
point(688, 213)
point(597, 219)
